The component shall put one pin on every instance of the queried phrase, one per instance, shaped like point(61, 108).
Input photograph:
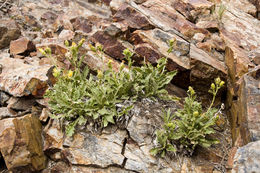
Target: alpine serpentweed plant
point(79, 97)
point(190, 126)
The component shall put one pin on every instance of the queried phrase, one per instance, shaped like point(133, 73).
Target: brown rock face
point(132, 18)
point(8, 31)
point(82, 24)
point(20, 79)
point(111, 45)
point(21, 46)
point(21, 144)
point(193, 9)
point(249, 106)
point(163, 15)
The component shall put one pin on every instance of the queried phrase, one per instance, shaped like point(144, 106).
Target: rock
point(3, 98)
point(198, 37)
point(247, 158)
point(95, 63)
point(22, 46)
point(111, 45)
point(49, 17)
point(88, 149)
point(195, 8)
point(53, 137)
point(82, 24)
point(6, 113)
point(132, 18)
point(163, 15)
point(153, 44)
point(20, 104)
point(113, 30)
point(21, 144)
point(44, 115)
point(8, 31)
point(66, 35)
point(204, 69)
point(238, 26)
point(249, 106)
point(20, 79)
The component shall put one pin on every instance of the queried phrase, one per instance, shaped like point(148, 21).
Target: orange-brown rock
point(22, 46)
point(21, 144)
point(20, 79)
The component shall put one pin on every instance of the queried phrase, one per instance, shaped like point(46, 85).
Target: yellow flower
point(70, 73)
point(100, 74)
point(42, 51)
point(56, 72)
point(73, 44)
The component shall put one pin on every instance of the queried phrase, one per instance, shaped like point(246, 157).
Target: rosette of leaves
point(189, 126)
point(78, 96)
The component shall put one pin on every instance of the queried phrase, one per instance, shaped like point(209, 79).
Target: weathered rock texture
point(21, 144)
point(207, 44)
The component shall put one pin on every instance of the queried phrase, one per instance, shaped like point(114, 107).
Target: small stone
point(44, 115)
point(66, 35)
point(199, 37)
point(3, 98)
point(22, 46)
point(6, 113)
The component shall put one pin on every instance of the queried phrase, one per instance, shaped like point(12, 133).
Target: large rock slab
point(20, 79)
point(88, 149)
point(163, 15)
point(249, 106)
point(21, 144)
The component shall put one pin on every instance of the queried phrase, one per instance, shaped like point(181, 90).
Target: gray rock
point(247, 158)
point(3, 98)
point(8, 31)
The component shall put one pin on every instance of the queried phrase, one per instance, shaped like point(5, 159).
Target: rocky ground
point(210, 42)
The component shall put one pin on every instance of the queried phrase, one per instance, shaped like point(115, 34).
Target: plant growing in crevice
point(79, 97)
point(189, 126)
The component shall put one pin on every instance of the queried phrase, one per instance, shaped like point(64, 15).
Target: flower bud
point(81, 42)
point(217, 81)
point(122, 66)
point(196, 113)
point(191, 90)
point(42, 51)
point(109, 64)
point(222, 83)
point(67, 43)
point(48, 50)
point(92, 48)
point(213, 86)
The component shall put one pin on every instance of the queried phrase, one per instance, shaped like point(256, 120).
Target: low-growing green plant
point(78, 97)
point(190, 126)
